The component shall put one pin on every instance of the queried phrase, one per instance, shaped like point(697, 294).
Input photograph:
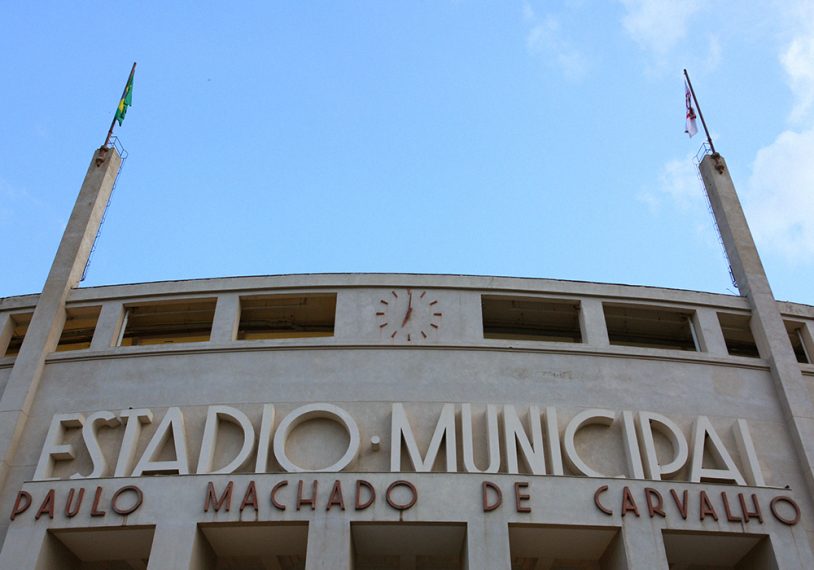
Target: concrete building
point(374, 421)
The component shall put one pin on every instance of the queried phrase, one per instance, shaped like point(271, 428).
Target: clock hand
point(409, 308)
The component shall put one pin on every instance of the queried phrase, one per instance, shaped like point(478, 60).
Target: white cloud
point(679, 180)
point(680, 191)
point(546, 40)
point(780, 192)
point(780, 196)
point(798, 63)
point(658, 25)
point(713, 59)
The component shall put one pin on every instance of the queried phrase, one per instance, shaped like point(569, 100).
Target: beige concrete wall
point(364, 372)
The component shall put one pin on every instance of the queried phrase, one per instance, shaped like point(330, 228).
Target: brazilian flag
point(126, 100)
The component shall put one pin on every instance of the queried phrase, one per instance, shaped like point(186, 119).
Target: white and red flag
point(690, 127)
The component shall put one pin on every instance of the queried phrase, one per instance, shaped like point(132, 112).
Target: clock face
point(410, 315)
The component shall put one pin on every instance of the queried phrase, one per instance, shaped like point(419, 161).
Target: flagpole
point(124, 92)
point(700, 114)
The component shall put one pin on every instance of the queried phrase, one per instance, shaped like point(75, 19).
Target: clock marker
point(422, 294)
point(408, 337)
point(438, 314)
point(423, 334)
point(381, 326)
point(394, 334)
point(380, 313)
point(384, 302)
point(395, 294)
point(433, 303)
point(433, 325)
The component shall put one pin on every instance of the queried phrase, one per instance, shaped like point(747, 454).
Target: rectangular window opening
point(798, 343)
point(718, 551)
point(408, 546)
point(253, 546)
point(80, 323)
point(287, 316)
point(530, 318)
point(650, 327)
point(168, 322)
point(20, 324)
point(738, 335)
point(97, 548)
point(535, 546)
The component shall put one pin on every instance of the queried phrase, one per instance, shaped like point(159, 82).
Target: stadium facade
point(393, 421)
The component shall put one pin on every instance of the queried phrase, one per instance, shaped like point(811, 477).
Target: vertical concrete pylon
point(49, 315)
point(767, 324)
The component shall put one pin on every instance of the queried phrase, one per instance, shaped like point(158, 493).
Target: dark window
point(650, 327)
point(738, 335)
point(78, 330)
point(20, 323)
point(170, 322)
point(797, 340)
point(287, 316)
point(530, 318)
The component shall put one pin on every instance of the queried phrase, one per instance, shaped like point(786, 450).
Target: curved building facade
point(395, 422)
point(405, 421)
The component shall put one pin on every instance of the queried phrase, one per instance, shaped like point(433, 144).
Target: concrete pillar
point(767, 324)
point(180, 545)
point(487, 545)
point(49, 316)
point(6, 332)
point(708, 330)
point(592, 323)
point(787, 550)
point(25, 546)
point(227, 319)
point(108, 326)
point(643, 545)
point(329, 544)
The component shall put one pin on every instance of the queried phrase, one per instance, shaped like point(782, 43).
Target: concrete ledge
point(499, 346)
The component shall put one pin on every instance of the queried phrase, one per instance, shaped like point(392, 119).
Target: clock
point(410, 315)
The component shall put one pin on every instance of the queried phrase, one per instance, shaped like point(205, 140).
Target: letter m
point(216, 503)
point(401, 431)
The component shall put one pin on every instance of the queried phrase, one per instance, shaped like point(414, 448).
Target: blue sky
point(539, 139)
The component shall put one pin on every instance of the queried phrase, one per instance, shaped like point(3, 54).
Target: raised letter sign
point(311, 412)
point(54, 449)
point(21, 504)
point(358, 503)
point(493, 439)
point(515, 434)
point(210, 437)
point(746, 449)
point(444, 429)
point(703, 432)
point(485, 487)
point(127, 452)
point(665, 426)
point(587, 417)
point(172, 425)
point(261, 465)
point(388, 495)
point(104, 419)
